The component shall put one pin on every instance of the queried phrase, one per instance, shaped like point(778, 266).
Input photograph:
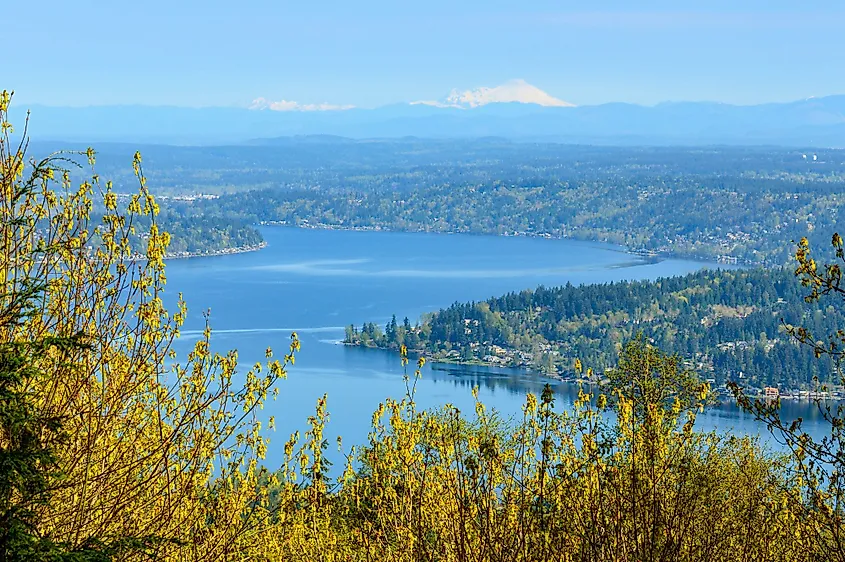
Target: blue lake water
point(317, 281)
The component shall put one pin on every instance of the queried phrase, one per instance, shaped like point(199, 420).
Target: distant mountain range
point(515, 110)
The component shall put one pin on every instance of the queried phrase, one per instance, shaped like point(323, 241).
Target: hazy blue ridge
point(811, 122)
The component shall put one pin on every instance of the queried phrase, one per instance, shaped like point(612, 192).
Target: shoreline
point(647, 255)
point(804, 396)
point(471, 363)
point(216, 253)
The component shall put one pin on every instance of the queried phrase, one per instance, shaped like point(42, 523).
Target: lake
point(315, 282)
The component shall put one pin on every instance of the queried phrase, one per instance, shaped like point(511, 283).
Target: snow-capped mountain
point(512, 91)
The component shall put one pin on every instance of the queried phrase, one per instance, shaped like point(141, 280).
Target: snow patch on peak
point(513, 91)
point(286, 105)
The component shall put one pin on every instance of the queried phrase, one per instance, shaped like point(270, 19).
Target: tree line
point(731, 324)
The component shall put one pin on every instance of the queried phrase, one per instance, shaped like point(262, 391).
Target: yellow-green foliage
point(154, 447)
point(158, 447)
point(554, 485)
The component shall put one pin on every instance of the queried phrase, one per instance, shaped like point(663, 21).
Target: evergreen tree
point(390, 331)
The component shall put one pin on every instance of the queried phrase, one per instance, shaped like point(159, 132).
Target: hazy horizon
point(19, 101)
point(379, 53)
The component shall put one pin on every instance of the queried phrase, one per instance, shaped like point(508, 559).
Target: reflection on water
point(512, 381)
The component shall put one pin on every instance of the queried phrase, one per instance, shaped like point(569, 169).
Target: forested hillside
point(728, 324)
point(197, 235)
point(728, 203)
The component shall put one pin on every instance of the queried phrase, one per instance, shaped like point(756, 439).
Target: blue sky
point(375, 52)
